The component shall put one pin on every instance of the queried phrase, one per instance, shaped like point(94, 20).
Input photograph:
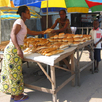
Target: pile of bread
point(54, 44)
point(70, 38)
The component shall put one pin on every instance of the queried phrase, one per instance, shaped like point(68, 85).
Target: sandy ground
point(89, 91)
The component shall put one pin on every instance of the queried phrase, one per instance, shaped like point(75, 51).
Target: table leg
point(78, 68)
point(48, 69)
point(54, 96)
point(73, 68)
point(0, 64)
point(92, 53)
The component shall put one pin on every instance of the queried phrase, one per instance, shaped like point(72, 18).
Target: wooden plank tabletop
point(3, 45)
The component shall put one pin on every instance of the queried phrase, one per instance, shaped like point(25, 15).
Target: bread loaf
point(48, 50)
point(38, 48)
point(54, 52)
point(64, 45)
point(70, 39)
point(56, 36)
point(48, 31)
point(76, 36)
point(76, 42)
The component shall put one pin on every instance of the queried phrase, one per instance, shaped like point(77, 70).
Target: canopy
point(10, 13)
point(5, 3)
point(25, 2)
point(71, 5)
point(94, 5)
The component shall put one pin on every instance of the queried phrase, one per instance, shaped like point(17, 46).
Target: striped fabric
point(10, 13)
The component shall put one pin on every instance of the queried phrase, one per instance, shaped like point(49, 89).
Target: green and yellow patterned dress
point(11, 74)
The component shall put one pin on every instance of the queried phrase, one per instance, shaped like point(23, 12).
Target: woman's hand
point(20, 53)
point(48, 31)
point(42, 32)
point(53, 31)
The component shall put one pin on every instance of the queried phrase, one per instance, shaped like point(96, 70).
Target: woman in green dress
point(11, 74)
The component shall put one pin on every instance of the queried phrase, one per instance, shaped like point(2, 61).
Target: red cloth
point(92, 3)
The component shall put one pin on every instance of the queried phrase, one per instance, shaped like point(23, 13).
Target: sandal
point(96, 70)
point(12, 97)
point(22, 99)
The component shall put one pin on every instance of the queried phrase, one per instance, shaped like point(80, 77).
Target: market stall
point(46, 51)
point(52, 60)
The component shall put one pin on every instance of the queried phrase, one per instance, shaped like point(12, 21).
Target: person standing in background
point(11, 74)
point(96, 34)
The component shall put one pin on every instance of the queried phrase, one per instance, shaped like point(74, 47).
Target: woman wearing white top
point(11, 74)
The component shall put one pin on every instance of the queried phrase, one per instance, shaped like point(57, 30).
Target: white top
point(22, 33)
point(96, 35)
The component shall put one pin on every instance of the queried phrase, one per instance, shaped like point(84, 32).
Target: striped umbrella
point(70, 5)
point(9, 13)
point(55, 5)
point(94, 5)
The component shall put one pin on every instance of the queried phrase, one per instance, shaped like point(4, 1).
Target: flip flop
point(22, 99)
point(13, 98)
point(96, 71)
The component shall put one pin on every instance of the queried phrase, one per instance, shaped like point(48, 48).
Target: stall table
point(80, 47)
point(52, 60)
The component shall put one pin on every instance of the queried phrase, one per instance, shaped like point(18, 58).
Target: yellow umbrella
point(5, 3)
point(71, 5)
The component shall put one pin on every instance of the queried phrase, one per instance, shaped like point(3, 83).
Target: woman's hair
point(63, 11)
point(22, 9)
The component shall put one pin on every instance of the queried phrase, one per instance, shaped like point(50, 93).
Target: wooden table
point(3, 45)
point(1, 57)
point(52, 60)
point(81, 47)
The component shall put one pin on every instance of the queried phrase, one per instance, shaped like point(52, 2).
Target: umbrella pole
point(47, 16)
point(0, 26)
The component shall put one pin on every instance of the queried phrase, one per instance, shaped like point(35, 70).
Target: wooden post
point(54, 96)
point(92, 53)
point(0, 27)
point(82, 30)
point(73, 68)
point(78, 68)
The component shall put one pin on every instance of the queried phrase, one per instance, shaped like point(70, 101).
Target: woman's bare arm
point(34, 32)
point(62, 29)
point(14, 32)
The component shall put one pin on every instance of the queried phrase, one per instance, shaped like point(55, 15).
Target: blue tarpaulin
point(26, 2)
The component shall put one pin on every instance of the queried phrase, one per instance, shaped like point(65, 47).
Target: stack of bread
point(53, 45)
point(42, 46)
point(74, 39)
